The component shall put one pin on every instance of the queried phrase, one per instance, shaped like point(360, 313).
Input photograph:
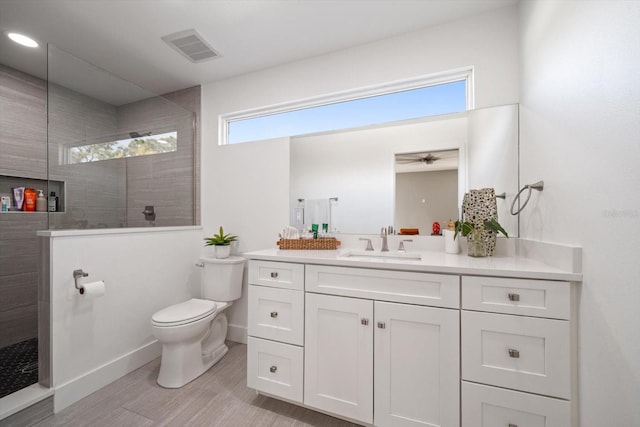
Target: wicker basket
point(330, 243)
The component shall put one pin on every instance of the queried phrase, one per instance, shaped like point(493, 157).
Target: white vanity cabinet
point(436, 342)
point(276, 328)
point(364, 356)
point(517, 353)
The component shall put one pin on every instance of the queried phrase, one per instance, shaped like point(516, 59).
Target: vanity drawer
point(540, 298)
point(276, 274)
point(485, 406)
point(275, 368)
point(439, 290)
point(276, 314)
point(517, 352)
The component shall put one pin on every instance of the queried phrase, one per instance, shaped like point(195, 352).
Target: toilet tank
point(221, 279)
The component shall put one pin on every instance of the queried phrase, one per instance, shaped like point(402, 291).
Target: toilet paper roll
point(451, 245)
point(94, 289)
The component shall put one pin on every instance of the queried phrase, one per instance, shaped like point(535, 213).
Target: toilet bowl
point(193, 333)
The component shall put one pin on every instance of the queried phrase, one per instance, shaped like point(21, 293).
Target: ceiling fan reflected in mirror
point(426, 160)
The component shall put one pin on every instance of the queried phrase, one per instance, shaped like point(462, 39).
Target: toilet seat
point(183, 313)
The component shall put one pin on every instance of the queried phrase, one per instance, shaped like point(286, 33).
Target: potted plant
point(221, 243)
point(476, 246)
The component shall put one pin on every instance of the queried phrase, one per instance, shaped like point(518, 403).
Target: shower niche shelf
point(8, 182)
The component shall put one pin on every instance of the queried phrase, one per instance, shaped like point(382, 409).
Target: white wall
point(260, 174)
point(246, 190)
point(95, 341)
point(580, 132)
point(492, 132)
point(425, 197)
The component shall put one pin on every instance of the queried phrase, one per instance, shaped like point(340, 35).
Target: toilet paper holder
point(76, 275)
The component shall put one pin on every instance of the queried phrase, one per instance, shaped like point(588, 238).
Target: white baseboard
point(237, 333)
point(82, 386)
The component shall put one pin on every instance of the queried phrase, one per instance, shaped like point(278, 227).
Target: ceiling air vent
point(191, 45)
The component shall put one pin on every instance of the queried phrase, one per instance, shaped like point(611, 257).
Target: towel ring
point(536, 186)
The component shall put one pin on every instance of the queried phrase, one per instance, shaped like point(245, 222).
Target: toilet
point(193, 333)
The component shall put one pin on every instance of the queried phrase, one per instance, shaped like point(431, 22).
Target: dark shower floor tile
point(18, 366)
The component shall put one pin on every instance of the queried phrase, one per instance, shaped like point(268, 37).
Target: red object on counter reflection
point(436, 227)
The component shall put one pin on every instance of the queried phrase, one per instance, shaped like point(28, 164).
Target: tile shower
point(39, 119)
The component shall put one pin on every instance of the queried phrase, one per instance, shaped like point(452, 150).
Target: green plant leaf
point(463, 228)
point(220, 238)
point(494, 226)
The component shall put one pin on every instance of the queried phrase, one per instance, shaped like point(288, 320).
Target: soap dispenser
point(41, 202)
point(53, 202)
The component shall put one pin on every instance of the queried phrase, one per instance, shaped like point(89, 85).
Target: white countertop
point(432, 262)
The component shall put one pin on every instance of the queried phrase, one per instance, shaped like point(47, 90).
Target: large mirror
point(358, 181)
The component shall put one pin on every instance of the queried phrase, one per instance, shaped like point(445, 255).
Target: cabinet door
point(275, 368)
point(417, 355)
point(517, 352)
point(276, 274)
point(485, 406)
point(276, 314)
point(339, 356)
point(538, 298)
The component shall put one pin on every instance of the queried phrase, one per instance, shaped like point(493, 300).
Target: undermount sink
point(375, 255)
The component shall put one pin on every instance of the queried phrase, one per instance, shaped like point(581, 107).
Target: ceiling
point(124, 37)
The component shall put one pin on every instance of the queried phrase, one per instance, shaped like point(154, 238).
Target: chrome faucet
point(385, 245)
point(401, 246)
point(369, 245)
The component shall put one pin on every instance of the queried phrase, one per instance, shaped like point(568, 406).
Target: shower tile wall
point(165, 181)
point(23, 140)
point(95, 192)
point(190, 100)
point(114, 193)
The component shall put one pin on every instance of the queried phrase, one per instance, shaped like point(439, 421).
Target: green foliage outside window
point(155, 144)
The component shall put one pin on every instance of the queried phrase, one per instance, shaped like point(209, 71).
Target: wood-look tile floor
point(219, 397)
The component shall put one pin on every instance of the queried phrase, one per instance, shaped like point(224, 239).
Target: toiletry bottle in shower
point(30, 198)
point(41, 202)
point(18, 198)
point(53, 202)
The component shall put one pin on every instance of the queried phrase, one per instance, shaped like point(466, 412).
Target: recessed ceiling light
point(22, 40)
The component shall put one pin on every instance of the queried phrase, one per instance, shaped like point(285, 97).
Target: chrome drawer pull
point(514, 353)
point(514, 297)
point(274, 314)
point(512, 425)
point(274, 274)
point(381, 325)
point(365, 322)
point(273, 369)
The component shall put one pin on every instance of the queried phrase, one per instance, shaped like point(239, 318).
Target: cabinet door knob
point(274, 274)
point(274, 314)
point(514, 297)
point(514, 353)
point(381, 325)
point(365, 322)
point(273, 369)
